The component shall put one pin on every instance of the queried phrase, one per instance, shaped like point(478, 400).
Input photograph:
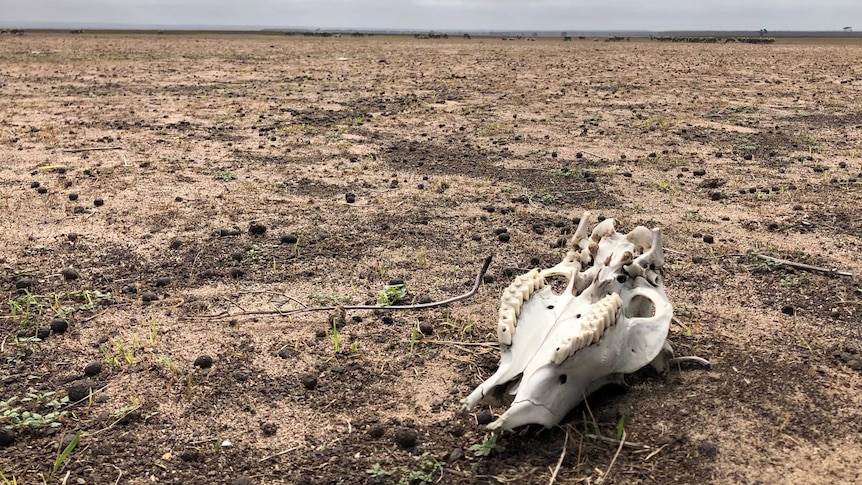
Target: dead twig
point(89, 149)
point(419, 306)
point(279, 454)
point(614, 459)
point(612, 441)
point(806, 267)
point(560, 461)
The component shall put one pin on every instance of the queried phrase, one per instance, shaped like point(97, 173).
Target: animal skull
point(612, 319)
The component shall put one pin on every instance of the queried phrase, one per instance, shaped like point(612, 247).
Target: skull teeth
point(512, 300)
point(602, 317)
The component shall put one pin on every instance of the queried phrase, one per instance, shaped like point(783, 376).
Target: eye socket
point(563, 378)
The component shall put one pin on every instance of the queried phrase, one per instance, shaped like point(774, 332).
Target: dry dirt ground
point(256, 173)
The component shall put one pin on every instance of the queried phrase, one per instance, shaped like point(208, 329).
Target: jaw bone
point(612, 319)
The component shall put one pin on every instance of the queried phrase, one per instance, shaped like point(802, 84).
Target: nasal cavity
point(640, 307)
point(557, 283)
point(563, 378)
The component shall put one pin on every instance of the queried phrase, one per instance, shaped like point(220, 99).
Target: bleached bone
point(612, 319)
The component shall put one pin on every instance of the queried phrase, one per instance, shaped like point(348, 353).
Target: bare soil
point(258, 173)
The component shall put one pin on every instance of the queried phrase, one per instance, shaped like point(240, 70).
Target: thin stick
point(420, 306)
point(279, 453)
point(806, 267)
point(614, 459)
point(560, 461)
point(89, 149)
point(452, 342)
point(612, 441)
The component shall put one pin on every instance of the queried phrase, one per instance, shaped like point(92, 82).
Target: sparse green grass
point(539, 196)
point(24, 308)
point(330, 299)
point(391, 294)
point(223, 175)
point(486, 447)
point(34, 411)
point(67, 451)
point(428, 469)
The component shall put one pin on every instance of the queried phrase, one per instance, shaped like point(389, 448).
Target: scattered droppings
point(233, 231)
point(406, 438)
point(504, 237)
point(376, 431)
point(73, 196)
point(42, 190)
point(176, 243)
point(426, 329)
point(350, 198)
point(7, 437)
point(484, 416)
point(69, 274)
point(93, 368)
point(163, 281)
point(707, 449)
point(149, 296)
point(203, 362)
point(190, 456)
point(288, 239)
point(308, 381)
point(59, 325)
point(257, 229)
point(268, 429)
point(72, 237)
point(708, 238)
point(236, 272)
point(79, 390)
point(788, 310)
point(99, 202)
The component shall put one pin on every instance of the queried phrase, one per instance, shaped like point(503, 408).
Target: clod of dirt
point(79, 390)
point(484, 417)
point(43, 332)
point(376, 431)
point(203, 361)
point(707, 449)
point(149, 296)
point(163, 281)
point(72, 237)
point(73, 196)
point(350, 197)
point(455, 455)
point(42, 190)
point(406, 438)
point(716, 196)
point(256, 228)
point(233, 231)
point(797, 207)
point(190, 455)
point(504, 237)
point(236, 272)
point(98, 202)
point(709, 239)
point(237, 255)
point(69, 274)
point(7, 437)
point(288, 239)
point(308, 381)
point(396, 281)
point(59, 325)
point(426, 329)
point(93, 368)
point(788, 310)
point(268, 429)
point(175, 244)
point(34, 185)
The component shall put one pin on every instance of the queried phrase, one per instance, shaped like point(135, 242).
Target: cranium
point(611, 319)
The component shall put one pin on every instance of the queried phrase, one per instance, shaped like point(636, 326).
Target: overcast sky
point(571, 15)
